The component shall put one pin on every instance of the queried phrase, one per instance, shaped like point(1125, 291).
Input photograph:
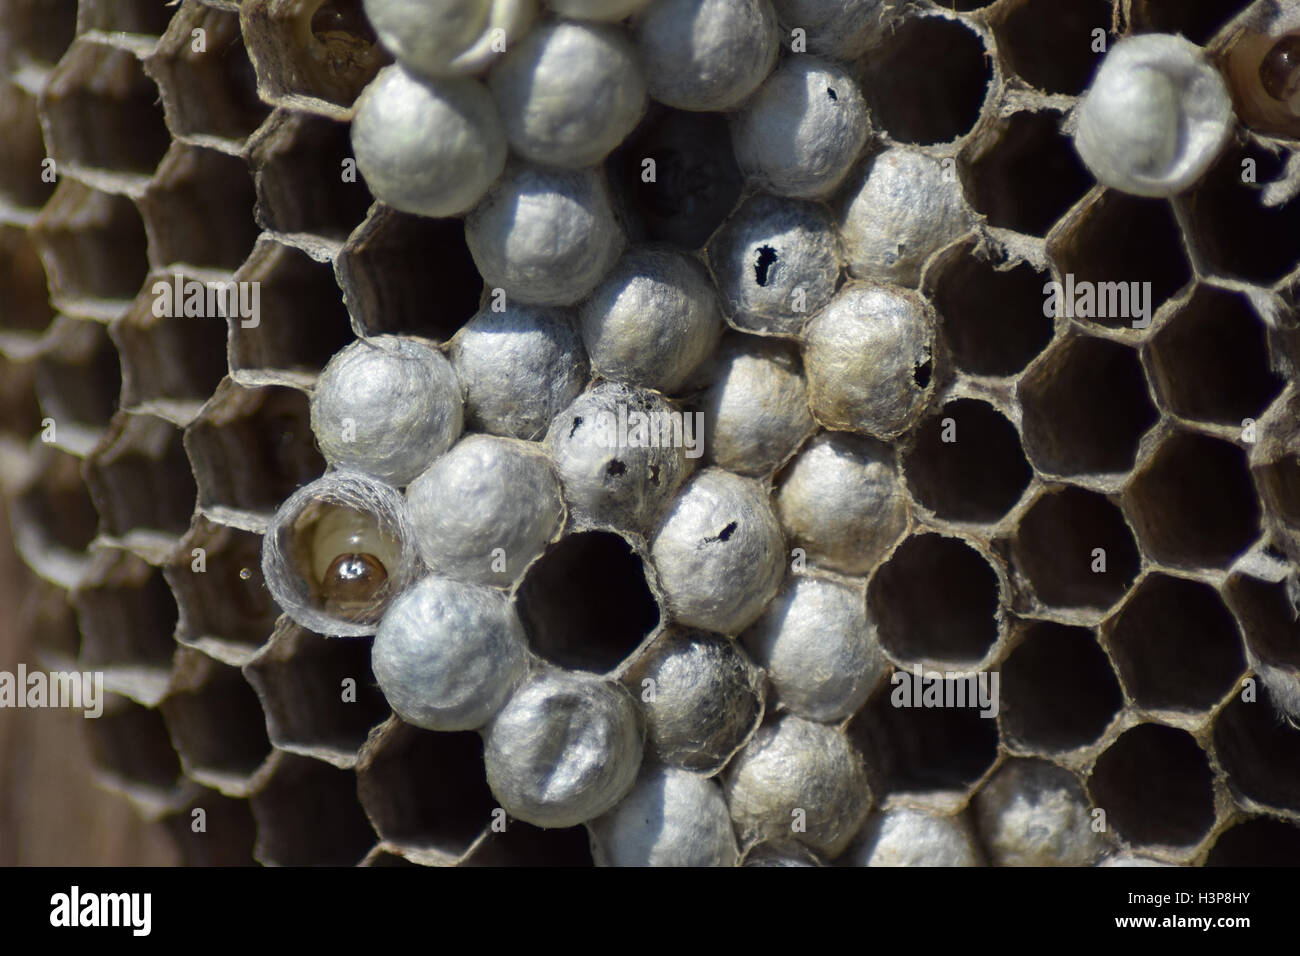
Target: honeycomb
point(145, 457)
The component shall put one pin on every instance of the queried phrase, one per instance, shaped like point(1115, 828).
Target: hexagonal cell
point(22, 187)
point(140, 480)
point(1050, 43)
point(308, 815)
point(94, 93)
point(1231, 226)
point(123, 16)
point(53, 518)
point(228, 834)
point(251, 448)
point(928, 84)
point(1175, 644)
point(209, 95)
point(79, 380)
point(1110, 242)
point(697, 183)
point(297, 161)
point(38, 31)
point(1085, 408)
point(199, 210)
point(215, 723)
point(424, 791)
point(990, 317)
point(94, 248)
point(127, 616)
point(315, 55)
point(1210, 360)
point(216, 577)
point(1259, 751)
point(523, 844)
point(1026, 174)
point(1058, 689)
point(585, 603)
point(965, 463)
point(936, 598)
point(1199, 21)
point(917, 749)
point(1257, 842)
point(170, 363)
point(390, 273)
point(133, 754)
point(20, 412)
point(27, 312)
point(1193, 504)
point(1156, 787)
point(310, 321)
point(319, 695)
point(1056, 546)
point(1268, 620)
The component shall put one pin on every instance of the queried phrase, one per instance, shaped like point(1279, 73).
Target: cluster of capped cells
point(626, 424)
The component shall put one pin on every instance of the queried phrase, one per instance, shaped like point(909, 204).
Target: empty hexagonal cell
point(425, 791)
point(316, 55)
point(1156, 787)
point(209, 94)
point(22, 186)
point(38, 31)
point(306, 321)
point(585, 603)
point(936, 598)
point(1257, 842)
point(1175, 644)
point(27, 312)
point(1233, 228)
point(216, 723)
point(198, 210)
point(134, 755)
point(991, 318)
point(93, 246)
point(1259, 750)
point(221, 835)
point(1085, 408)
point(96, 92)
point(1199, 21)
point(319, 695)
point(123, 16)
point(140, 479)
point(308, 815)
point(20, 412)
point(965, 463)
point(1058, 689)
point(396, 264)
point(299, 169)
point(928, 84)
point(251, 448)
point(216, 577)
point(522, 844)
point(1076, 549)
point(45, 614)
point(1024, 174)
point(1052, 44)
point(79, 380)
point(127, 617)
point(53, 518)
point(1210, 360)
point(1193, 503)
point(1268, 621)
point(696, 182)
point(913, 748)
point(1108, 244)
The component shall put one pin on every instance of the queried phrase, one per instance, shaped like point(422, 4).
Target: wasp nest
point(837, 431)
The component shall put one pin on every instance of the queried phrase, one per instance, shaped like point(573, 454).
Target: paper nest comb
point(173, 434)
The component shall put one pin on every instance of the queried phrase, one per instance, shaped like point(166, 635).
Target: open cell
point(199, 210)
point(307, 815)
point(585, 603)
point(1054, 45)
point(22, 183)
point(966, 463)
point(140, 479)
point(1058, 689)
point(936, 598)
point(53, 518)
point(39, 31)
point(1199, 21)
point(1260, 751)
point(523, 844)
point(1257, 842)
point(79, 379)
point(129, 744)
point(1176, 645)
